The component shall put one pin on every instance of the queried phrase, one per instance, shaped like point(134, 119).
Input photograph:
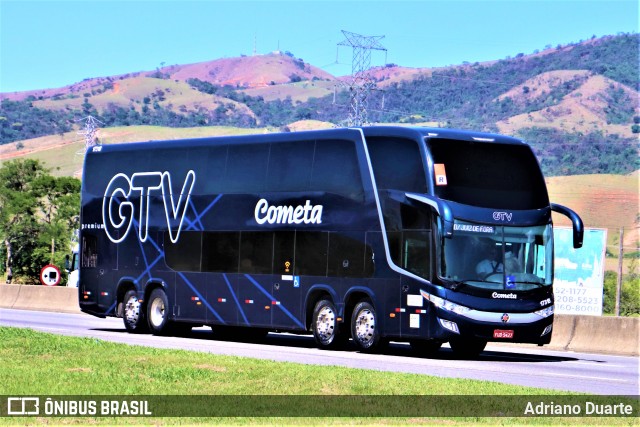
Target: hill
point(603, 201)
point(249, 71)
point(572, 103)
point(140, 92)
point(587, 108)
point(242, 72)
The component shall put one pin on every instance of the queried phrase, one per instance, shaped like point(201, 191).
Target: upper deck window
point(336, 169)
point(397, 164)
point(489, 175)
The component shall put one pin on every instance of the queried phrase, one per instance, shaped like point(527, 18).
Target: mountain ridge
point(582, 95)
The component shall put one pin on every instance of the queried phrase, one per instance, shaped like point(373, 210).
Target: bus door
point(287, 296)
point(415, 257)
point(98, 262)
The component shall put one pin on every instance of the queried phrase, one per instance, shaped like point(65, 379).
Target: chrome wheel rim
point(365, 326)
point(325, 324)
point(156, 315)
point(132, 310)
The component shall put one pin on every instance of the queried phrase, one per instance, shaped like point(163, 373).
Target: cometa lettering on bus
point(306, 214)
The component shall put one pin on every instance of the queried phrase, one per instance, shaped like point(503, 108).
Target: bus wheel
point(158, 312)
point(324, 324)
point(425, 347)
point(133, 313)
point(363, 327)
point(467, 347)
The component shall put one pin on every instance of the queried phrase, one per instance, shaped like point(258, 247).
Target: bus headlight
point(545, 312)
point(444, 304)
point(448, 324)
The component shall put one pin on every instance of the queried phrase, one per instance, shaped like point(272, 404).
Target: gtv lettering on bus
point(118, 209)
point(306, 214)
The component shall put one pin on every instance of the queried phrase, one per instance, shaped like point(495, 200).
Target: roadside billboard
point(579, 273)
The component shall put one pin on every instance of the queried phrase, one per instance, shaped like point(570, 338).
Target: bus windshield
point(498, 257)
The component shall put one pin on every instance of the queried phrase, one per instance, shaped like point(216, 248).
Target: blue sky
point(48, 44)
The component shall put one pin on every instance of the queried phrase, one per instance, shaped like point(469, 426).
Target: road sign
point(50, 275)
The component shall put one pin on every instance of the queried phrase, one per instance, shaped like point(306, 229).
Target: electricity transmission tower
point(89, 130)
point(361, 82)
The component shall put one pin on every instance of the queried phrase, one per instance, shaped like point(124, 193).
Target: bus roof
point(446, 133)
point(337, 133)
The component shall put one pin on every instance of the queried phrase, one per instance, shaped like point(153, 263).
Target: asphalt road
point(530, 366)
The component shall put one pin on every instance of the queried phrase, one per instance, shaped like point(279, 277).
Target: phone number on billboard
point(570, 300)
point(576, 309)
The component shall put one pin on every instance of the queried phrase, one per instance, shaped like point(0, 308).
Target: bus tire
point(325, 327)
point(425, 347)
point(133, 314)
point(467, 347)
point(364, 329)
point(158, 312)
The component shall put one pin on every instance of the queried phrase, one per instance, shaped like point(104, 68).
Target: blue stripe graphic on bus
point(197, 219)
point(144, 259)
point(148, 266)
point(272, 298)
point(199, 216)
point(112, 308)
point(203, 299)
point(244, 317)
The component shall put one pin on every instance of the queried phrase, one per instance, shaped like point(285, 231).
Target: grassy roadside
point(35, 363)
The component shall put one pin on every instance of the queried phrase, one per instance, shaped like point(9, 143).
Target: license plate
point(503, 333)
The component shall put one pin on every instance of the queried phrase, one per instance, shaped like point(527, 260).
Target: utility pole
point(361, 82)
point(619, 281)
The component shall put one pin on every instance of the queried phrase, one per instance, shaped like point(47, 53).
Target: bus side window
point(185, 254)
point(246, 170)
point(89, 251)
point(415, 218)
point(397, 164)
point(336, 170)
point(220, 251)
point(416, 254)
point(256, 252)
point(290, 166)
point(346, 255)
point(311, 253)
point(283, 252)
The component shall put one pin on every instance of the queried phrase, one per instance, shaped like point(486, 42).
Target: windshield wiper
point(538, 284)
point(457, 284)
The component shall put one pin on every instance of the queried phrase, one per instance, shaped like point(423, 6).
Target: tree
point(35, 208)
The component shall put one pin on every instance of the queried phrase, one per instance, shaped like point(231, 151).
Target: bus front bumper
point(517, 328)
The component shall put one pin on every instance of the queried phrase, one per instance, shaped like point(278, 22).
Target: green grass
point(36, 363)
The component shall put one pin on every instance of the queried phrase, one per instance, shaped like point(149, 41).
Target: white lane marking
point(551, 374)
